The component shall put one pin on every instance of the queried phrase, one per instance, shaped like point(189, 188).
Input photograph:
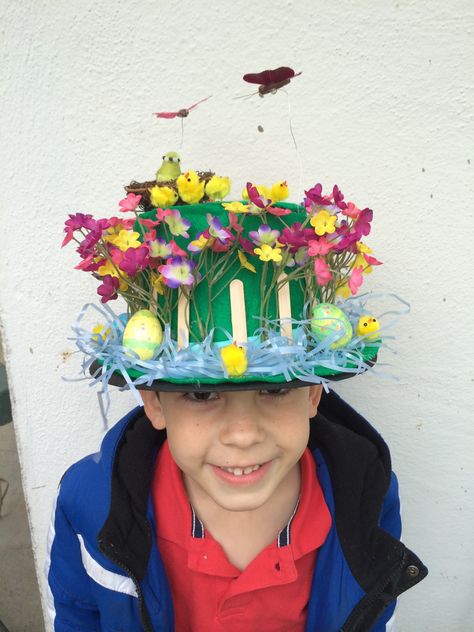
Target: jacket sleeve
point(390, 521)
point(70, 604)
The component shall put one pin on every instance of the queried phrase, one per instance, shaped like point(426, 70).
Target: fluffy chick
point(279, 191)
point(368, 325)
point(218, 187)
point(170, 167)
point(234, 359)
point(190, 188)
point(162, 197)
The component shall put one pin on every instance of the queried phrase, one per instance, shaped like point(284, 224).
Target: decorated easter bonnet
point(226, 294)
point(221, 294)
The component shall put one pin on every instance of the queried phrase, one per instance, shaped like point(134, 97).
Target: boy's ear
point(315, 393)
point(153, 409)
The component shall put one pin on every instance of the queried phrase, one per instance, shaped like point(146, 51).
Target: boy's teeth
point(238, 471)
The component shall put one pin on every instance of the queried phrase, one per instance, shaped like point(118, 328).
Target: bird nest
point(143, 188)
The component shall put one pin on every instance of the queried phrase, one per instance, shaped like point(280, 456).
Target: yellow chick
point(190, 188)
point(234, 359)
point(279, 191)
point(162, 197)
point(368, 325)
point(261, 188)
point(218, 187)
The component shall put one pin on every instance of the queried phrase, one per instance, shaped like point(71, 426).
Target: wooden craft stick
point(237, 310)
point(284, 307)
point(183, 321)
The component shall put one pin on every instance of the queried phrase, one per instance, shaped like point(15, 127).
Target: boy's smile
point(238, 451)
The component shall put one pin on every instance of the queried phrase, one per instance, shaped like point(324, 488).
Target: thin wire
point(298, 157)
point(182, 132)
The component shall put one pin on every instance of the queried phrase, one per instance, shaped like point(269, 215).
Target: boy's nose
point(242, 429)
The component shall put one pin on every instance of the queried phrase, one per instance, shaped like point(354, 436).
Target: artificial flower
point(259, 200)
point(362, 225)
point(314, 197)
point(244, 262)
point(108, 289)
point(351, 211)
point(267, 253)
point(234, 223)
point(216, 230)
point(322, 272)
point(319, 247)
point(355, 280)
point(295, 237)
point(162, 213)
point(124, 240)
point(157, 283)
point(90, 264)
point(130, 202)
point(159, 248)
point(338, 197)
point(76, 222)
point(176, 250)
point(177, 271)
point(196, 245)
point(301, 256)
point(264, 235)
point(135, 260)
point(363, 258)
point(149, 223)
point(323, 223)
point(236, 207)
point(178, 226)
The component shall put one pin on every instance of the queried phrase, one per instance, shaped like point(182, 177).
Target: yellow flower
point(109, 268)
point(244, 262)
point(99, 332)
point(323, 223)
point(125, 239)
point(343, 291)
point(157, 283)
point(360, 261)
point(236, 207)
point(267, 253)
point(196, 245)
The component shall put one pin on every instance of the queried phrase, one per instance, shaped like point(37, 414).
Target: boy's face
point(236, 449)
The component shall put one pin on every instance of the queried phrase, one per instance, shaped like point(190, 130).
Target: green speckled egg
point(329, 319)
point(143, 334)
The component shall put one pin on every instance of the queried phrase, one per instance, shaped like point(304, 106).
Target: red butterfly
point(271, 80)
point(180, 113)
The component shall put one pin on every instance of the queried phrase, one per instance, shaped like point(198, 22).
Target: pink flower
point(319, 247)
point(338, 197)
point(355, 280)
point(108, 289)
point(276, 210)
point(161, 214)
point(351, 210)
point(294, 237)
point(134, 260)
point(76, 222)
point(234, 223)
point(254, 196)
point(130, 202)
point(362, 225)
point(314, 196)
point(88, 264)
point(149, 223)
point(322, 272)
point(176, 250)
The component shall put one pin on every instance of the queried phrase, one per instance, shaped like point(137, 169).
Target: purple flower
point(314, 196)
point(108, 289)
point(338, 198)
point(159, 248)
point(76, 222)
point(177, 271)
point(134, 260)
point(216, 230)
point(296, 238)
point(362, 225)
point(264, 235)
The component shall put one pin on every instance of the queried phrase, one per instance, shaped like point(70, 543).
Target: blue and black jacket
point(105, 571)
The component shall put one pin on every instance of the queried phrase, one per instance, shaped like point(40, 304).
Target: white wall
point(384, 107)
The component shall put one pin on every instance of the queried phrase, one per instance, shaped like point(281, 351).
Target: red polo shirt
point(209, 593)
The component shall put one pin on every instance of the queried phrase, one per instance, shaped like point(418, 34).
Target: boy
point(240, 497)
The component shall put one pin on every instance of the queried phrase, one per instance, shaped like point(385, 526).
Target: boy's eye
point(276, 392)
point(203, 396)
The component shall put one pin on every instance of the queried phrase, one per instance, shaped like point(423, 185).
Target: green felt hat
point(231, 295)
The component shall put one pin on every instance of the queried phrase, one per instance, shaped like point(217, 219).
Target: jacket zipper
point(356, 618)
point(144, 617)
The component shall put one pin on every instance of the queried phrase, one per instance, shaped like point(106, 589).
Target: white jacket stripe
point(47, 564)
point(103, 577)
point(390, 625)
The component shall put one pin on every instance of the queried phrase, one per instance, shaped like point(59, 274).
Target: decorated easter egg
point(143, 334)
point(330, 320)
point(368, 326)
